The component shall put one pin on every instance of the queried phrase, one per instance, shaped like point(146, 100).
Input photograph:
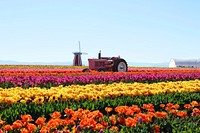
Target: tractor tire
point(120, 65)
point(86, 70)
point(101, 70)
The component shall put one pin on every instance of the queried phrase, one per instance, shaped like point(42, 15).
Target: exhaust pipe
point(99, 56)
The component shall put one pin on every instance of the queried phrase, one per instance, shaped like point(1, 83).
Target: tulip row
point(11, 112)
point(94, 92)
point(50, 81)
point(72, 72)
point(120, 119)
point(40, 72)
point(39, 67)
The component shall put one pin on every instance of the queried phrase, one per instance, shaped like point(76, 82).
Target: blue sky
point(150, 31)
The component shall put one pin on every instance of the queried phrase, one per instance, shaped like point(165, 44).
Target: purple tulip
point(140, 119)
point(79, 128)
point(101, 131)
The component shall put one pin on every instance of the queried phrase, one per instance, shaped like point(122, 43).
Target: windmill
point(77, 57)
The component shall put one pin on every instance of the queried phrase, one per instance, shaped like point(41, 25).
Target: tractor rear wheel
point(120, 65)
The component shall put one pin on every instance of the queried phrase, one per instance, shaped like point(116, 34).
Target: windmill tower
point(77, 57)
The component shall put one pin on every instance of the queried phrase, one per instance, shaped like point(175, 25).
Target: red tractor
point(102, 64)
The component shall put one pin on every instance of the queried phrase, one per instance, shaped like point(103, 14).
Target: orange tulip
point(84, 123)
point(105, 124)
point(88, 122)
point(121, 120)
point(173, 111)
point(74, 130)
point(147, 106)
point(40, 121)
point(69, 111)
point(161, 114)
point(26, 118)
point(188, 106)
point(129, 112)
point(53, 123)
point(24, 130)
point(45, 130)
point(156, 128)
point(17, 124)
point(162, 105)
point(114, 128)
point(151, 114)
point(176, 106)
point(169, 105)
point(121, 109)
point(31, 127)
point(167, 108)
point(143, 117)
point(69, 121)
point(92, 122)
point(108, 109)
point(55, 115)
point(196, 112)
point(112, 119)
point(194, 103)
point(130, 122)
point(8, 128)
point(181, 114)
point(77, 115)
point(151, 110)
point(135, 109)
point(97, 114)
point(2, 122)
point(98, 127)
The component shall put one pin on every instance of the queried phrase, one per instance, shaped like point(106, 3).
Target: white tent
point(188, 63)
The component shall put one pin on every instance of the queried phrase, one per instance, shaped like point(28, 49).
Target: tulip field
point(63, 99)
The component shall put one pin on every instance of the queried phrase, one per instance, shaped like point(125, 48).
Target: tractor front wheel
point(120, 65)
point(86, 70)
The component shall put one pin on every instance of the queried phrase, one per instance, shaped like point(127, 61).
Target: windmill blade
point(79, 46)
